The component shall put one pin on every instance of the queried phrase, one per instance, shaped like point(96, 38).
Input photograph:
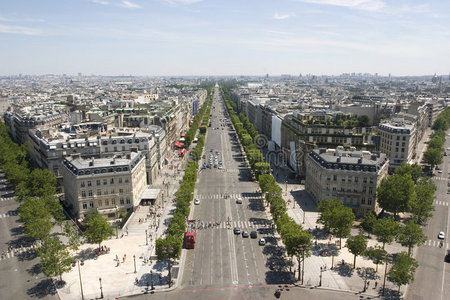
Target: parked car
point(196, 201)
point(239, 200)
point(262, 242)
point(441, 235)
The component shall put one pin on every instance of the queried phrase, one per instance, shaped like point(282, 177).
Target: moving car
point(196, 201)
point(239, 200)
point(253, 234)
point(245, 234)
point(237, 230)
point(262, 242)
point(441, 235)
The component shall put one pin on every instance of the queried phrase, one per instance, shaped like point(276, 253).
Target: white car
point(196, 201)
point(262, 242)
point(441, 235)
point(239, 200)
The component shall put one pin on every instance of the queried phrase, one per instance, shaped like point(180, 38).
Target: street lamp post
point(101, 288)
point(320, 280)
point(365, 280)
point(146, 238)
point(81, 283)
point(134, 259)
point(151, 278)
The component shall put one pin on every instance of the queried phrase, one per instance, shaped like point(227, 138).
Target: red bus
point(189, 240)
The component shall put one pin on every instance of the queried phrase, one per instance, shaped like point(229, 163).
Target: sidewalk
point(342, 276)
point(131, 255)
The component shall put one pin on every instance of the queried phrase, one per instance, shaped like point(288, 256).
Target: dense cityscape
point(226, 150)
point(192, 184)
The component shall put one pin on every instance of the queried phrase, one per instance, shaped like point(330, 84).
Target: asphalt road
point(20, 273)
point(252, 293)
point(432, 278)
point(222, 258)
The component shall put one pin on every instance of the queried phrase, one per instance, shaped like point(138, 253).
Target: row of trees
point(298, 241)
point(433, 155)
point(169, 248)
point(408, 190)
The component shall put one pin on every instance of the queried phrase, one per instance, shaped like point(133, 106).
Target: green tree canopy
point(168, 249)
point(386, 230)
point(36, 218)
point(356, 244)
point(74, 240)
point(395, 193)
point(376, 254)
point(412, 169)
point(368, 221)
point(422, 206)
point(98, 230)
point(402, 270)
point(433, 156)
point(55, 259)
point(336, 218)
point(410, 235)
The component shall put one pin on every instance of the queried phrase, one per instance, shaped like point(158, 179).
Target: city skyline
point(195, 37)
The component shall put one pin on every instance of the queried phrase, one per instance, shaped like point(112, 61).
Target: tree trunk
point(354, 262)
point(299, 268)
point(303, 261)
point(340, 243)
point(170, 273)
point(409, 250)
point(376, 268)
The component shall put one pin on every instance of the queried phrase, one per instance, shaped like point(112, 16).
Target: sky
point(224, 37)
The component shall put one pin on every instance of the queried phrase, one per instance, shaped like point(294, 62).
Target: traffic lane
point(262, 292)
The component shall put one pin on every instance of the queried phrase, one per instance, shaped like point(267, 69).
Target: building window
point(98, 181)
point(82, 184)
point(371, 180)
point(112, 191)
point(334, 177)
point(106, 202)
point(403, 149)
point(121, 201)
point(363, 200)
point(105, 181)
point(120, 191)
point(111, 181)
point(120, 180)
point(334, 189)
point(123, 148)
point(90, 193)
point(115, 149)
point(369, 201)
point(83, 194)
point(364, 189)
point(106, 149)
point(99, 192)
point(365, 180)
point(113, 201)
point(126, 180)
point(356, 179)
point(370, 190)
point(128, 200)
point(89, 183)
point(91, 204)
point(84, 205)
point(100, 204)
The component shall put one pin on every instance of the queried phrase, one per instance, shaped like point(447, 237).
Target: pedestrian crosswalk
point(9, 214)
point(243, 225)
point(232, 196)
point(440, 178)
point(442, 203)
point(6, 198)
point(18, 251)
point(435, 243)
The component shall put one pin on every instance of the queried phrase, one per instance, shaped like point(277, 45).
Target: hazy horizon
point(224, 38)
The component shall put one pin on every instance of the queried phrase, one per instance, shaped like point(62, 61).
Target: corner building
point(349, 175)
point(105, 184)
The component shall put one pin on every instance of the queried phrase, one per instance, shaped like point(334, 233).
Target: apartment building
point(349, 175)
point(104, 184)
point(398, 140)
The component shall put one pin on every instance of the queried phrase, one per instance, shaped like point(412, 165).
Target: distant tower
point(79, 74)
point(435, 78)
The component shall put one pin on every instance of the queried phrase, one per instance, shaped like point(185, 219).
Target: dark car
point(447, 257)
point(253, 234)
point(237, 230)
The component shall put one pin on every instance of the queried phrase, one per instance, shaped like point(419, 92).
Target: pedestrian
point(376, 283)
point(117, 258)
point(368, 283)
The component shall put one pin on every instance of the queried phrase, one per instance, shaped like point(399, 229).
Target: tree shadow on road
point(389, 294)
point(35, 270)
point(19, 230)
point(42, 289)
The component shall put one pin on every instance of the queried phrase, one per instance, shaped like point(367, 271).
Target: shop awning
point(178, 144)
point(182, 152)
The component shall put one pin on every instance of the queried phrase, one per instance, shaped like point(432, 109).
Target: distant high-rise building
point(79, 74)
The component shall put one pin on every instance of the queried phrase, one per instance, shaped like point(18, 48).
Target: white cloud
point(129, 4)
point(102, 2)
point(371, 5)
point(19, 30)
point(175, 2)
point(278, 16)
